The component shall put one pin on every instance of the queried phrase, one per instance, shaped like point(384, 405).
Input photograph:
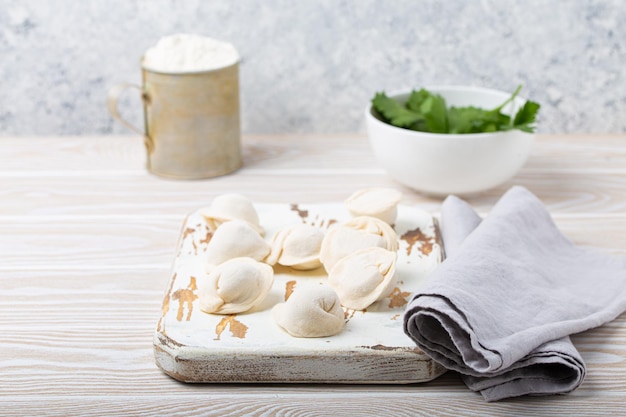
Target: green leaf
point(425, 111)
point(394, 112)
point(527, 114)
point(475, 120)
point(436, 114)
point(465, 119)
point(416, 99)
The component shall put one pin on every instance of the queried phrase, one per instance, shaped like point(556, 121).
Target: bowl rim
point(445, 136)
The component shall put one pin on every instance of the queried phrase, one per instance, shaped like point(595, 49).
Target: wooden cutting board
point(193, 346)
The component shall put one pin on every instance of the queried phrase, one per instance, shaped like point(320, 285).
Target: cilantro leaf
point(526, 116)
point(394, 112)
point(427, 112)
point(434, 110)
point(416, 99)
point(475, 120)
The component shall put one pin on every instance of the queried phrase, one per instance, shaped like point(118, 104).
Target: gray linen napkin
point(552, 368)
point(500, 308)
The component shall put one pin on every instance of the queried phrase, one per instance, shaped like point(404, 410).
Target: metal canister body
point(192, 122)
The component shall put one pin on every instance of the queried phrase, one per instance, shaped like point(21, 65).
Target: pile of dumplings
point(358, 255)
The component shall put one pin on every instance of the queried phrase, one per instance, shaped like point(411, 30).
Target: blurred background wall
point(313, 65)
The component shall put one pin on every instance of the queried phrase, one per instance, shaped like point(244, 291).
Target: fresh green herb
point(394, 112)
point(427, 112)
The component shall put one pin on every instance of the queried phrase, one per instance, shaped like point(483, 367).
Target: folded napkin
point(500, 308)
point(552, 368)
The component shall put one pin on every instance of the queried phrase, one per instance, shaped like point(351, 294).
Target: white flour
point(189, 53)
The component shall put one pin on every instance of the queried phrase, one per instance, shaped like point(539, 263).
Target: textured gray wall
point(312, 65)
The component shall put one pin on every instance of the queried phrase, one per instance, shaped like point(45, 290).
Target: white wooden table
point(86, 244)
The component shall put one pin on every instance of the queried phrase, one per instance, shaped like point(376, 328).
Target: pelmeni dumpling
point(235, 286)
point(235, 239)
point(364, 277)
point(372, 225)
point(381, 203)
point(313, 311)
point(358, 233)
point(228, 207)
point(341, 241)
point(297, 246)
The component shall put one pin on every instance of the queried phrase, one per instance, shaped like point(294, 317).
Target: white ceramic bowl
point(442, 164)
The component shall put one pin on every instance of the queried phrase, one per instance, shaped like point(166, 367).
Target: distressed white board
point(193, 346)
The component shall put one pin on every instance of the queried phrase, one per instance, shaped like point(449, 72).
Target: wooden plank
point(60, 193)
point(145, 243)
point(105, 363)
point(84, 337)
point(75, 299)
point(143, 194)
point(87, 244)
point(87, 238)
point(73, 175)
point(126, 154)
point(193, 346)
point(71, 153)
point(336, 405)
point(578, 152)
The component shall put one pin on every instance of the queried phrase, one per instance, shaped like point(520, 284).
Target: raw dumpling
point(341, 241)
point(359, 233)
point(228, 207)
point(313, 311)
point(235, 286)
point(375, 226)
point(381, 203)
point(297, 246)
point(364, 277)
point(235, 239)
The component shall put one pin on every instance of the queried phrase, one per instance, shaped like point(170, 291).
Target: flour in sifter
point(182, 53)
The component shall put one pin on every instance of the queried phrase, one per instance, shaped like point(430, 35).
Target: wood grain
point(89, 243)
point(142, 194)
point(126, 154)
point(86, 245)
point(82, 175)
point(145, 243)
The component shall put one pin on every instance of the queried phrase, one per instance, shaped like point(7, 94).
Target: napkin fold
point(500, 308)
point(552, 368)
